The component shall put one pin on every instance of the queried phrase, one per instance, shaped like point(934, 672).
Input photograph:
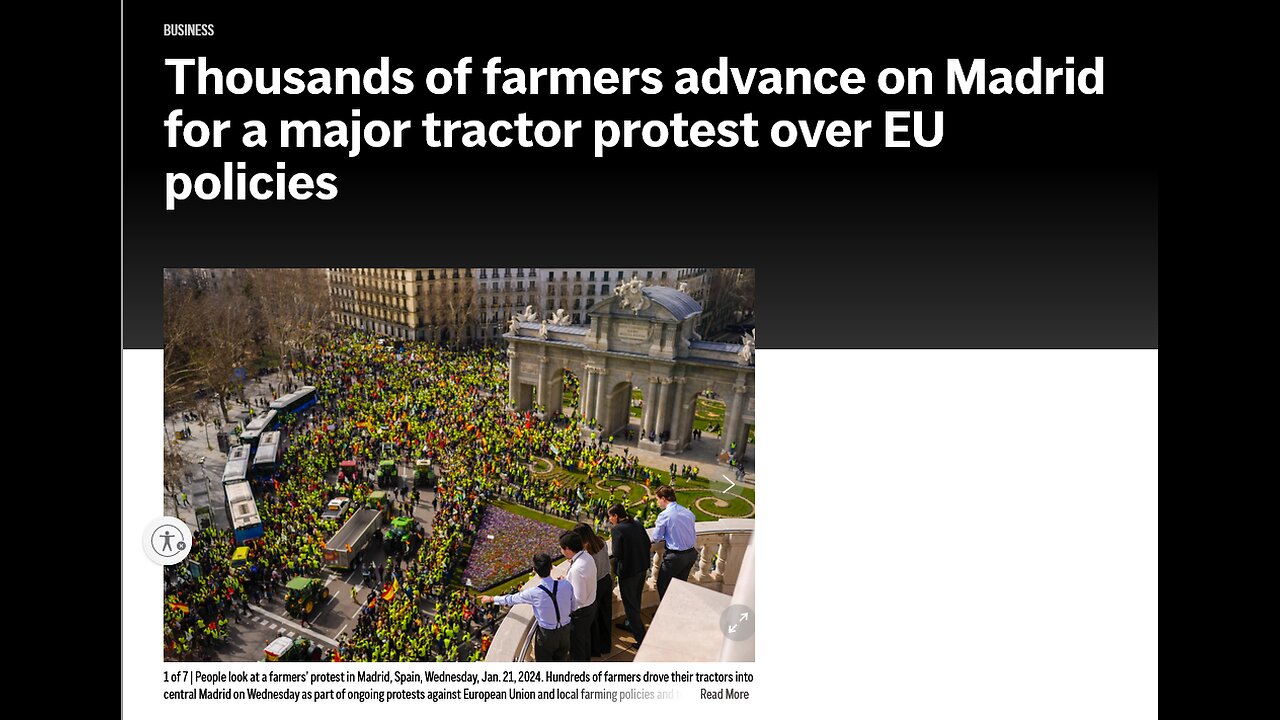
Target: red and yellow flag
point(391, 591)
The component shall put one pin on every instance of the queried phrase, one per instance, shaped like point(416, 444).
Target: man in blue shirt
point(675, 528)
point(553, 603)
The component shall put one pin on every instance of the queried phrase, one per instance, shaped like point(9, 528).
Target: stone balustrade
point(721, 547)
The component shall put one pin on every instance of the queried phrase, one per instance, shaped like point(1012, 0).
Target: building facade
point(466, 305)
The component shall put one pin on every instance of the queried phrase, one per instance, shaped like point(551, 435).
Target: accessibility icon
point(167, 541)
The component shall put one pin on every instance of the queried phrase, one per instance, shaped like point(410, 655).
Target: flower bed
point(510, 553)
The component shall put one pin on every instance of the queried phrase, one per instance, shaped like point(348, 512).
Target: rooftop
point(679, 304)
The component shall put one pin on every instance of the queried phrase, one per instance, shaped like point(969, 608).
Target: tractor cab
point(303, 594)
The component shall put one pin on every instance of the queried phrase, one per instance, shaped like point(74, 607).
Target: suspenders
point(552, 594)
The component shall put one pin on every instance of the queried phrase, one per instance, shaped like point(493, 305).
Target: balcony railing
point(721, 548)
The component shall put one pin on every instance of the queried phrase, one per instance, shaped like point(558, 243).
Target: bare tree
point(293, 306)
point(457, 306)
point(174, 469)
point(183, 321)
point(730, 299)
point(226, 343)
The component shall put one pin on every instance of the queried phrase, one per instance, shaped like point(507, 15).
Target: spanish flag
point(180, 607)
point(391, 591)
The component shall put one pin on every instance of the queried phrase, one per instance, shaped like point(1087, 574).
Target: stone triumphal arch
point(641, 337)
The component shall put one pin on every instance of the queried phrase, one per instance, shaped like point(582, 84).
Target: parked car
point(335, 508)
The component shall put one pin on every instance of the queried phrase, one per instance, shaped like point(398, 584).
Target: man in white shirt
point(582, 576)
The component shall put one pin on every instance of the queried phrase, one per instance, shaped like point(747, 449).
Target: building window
point(606, 275)
point(604, 289)
point(551, 276)
point(664, 274)
point(649, 275)
point(591, 275)
point(590, 302)
point(577, 319)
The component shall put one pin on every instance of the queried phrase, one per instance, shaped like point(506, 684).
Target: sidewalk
point(203, 445)
point(703, 453)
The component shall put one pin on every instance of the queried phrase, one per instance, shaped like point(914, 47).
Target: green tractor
point(424, 474)
point(388, 472)
point(383, 502)
point(404, 535)
point(302, 594)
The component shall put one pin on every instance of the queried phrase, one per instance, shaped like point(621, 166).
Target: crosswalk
point(271, 621)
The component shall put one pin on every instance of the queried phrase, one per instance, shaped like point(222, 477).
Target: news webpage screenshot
point(416, 419)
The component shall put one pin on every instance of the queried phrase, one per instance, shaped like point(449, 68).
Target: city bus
point(237, 465)
point(264, 460)
point(243, 511)
point(259, 425)
point(300, 399)
point(268, 452)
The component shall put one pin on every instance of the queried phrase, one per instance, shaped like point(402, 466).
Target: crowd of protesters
point(379, 399)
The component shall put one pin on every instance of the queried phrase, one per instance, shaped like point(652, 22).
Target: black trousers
point(602, 628)
point(631, 588)
point(580, 633)
point(551, 645)
point(674, 565)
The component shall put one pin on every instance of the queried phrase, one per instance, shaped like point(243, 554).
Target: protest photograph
point(459, 464)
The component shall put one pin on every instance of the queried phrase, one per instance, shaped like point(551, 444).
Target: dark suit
point(631, 551)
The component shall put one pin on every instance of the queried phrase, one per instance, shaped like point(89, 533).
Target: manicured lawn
point(709, 412)
point(741, 499)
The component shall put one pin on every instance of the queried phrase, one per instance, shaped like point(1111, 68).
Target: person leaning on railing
point(553, 604)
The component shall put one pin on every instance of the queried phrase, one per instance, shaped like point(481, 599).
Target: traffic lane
point(247, 638)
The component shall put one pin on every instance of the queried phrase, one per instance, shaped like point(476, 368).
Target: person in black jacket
point(631, 554)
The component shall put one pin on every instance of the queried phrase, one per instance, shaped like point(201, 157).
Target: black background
point(1034, 224)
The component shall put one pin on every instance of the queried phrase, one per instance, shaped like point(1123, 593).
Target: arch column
point(513, 377)
point(662, 405)
point(601, 397)
point(542, 381)
point(732, 424)
point(650, 406)
point(555, 385)
point(683, 423)
point(584, 392)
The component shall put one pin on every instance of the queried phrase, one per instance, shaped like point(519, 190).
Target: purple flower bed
point(510, 553)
